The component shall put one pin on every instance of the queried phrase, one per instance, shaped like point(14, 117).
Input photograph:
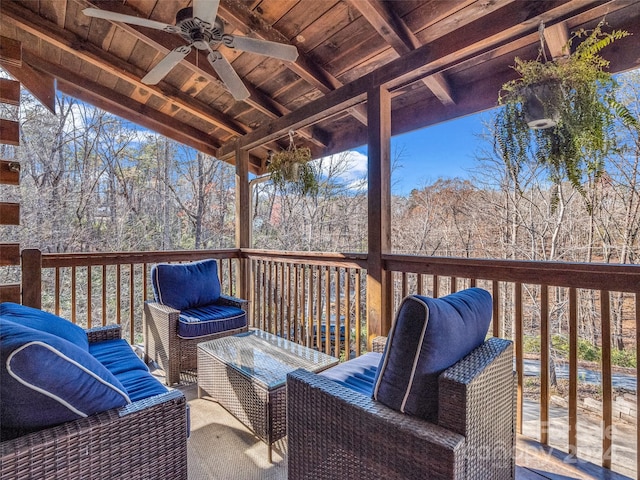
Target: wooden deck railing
point(530, 291)
point(296, 295)
point(93, 289)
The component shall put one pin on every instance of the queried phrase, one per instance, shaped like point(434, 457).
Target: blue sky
point(444, 150)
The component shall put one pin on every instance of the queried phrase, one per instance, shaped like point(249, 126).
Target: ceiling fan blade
point(206, 10)
point(264, 47)
point(165, 65)
point(228, 75)
point(119, 17)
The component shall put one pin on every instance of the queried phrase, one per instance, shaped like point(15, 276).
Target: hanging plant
point(574, 97)
point(292, 170)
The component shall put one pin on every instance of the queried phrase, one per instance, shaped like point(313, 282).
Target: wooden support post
point(379, 202)
point(243, 219)
point(32, 277)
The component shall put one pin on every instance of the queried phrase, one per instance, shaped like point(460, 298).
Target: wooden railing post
point(32, 277)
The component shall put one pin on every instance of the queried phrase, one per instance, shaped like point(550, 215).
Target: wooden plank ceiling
point(440, 59)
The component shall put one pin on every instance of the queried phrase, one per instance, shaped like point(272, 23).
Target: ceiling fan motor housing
point(197, 31)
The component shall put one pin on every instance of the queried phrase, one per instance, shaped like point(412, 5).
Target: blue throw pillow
point(46, 380)
point(186, 285)
point(45, 322)
point(428, 336)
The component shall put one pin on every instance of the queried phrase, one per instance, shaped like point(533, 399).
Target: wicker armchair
point(172, 350)
point(335, 432)
point(172, 353)
point(145, 439)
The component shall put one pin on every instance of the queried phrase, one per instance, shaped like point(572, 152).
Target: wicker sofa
point(145, 438)
point(335, 431)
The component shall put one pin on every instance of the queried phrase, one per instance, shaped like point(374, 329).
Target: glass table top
point(266, 358)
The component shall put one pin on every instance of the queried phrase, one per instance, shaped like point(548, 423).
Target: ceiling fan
point(200, 26)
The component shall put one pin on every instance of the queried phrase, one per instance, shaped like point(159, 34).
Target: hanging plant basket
point(561, 113)
point(541, 104)
point(292, 171)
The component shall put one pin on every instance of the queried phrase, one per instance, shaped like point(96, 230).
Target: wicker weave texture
point(162, 344)
point(146, 439)
point(246, 374)
point(334, 432)
point(261, 410)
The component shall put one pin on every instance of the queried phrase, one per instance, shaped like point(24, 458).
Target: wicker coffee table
point(247, 375)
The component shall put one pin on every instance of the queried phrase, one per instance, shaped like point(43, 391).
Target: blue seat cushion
point(357, 374)
point(186, 285)
point(210, 319)
point(117, 356)
point(428, 336)
point(140, 384)
point(45, 322)
point(46, 380)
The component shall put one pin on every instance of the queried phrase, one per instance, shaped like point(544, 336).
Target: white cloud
point(349, 167)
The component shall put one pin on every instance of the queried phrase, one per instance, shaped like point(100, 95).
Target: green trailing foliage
point(293, 172)
point(585, 107)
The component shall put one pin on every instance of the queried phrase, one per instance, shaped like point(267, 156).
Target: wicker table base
point(247, 375)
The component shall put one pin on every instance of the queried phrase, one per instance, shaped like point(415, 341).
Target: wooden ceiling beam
point(24, 19)
point(248, 22)
point(490, 33)
point(397, 34)
point(557, 37)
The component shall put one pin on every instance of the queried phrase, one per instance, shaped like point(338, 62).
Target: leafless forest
point(93, 182)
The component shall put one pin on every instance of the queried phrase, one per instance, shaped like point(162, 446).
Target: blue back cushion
point(186, 285)
point(428, 336)
point(46, 380)
point(45, 322)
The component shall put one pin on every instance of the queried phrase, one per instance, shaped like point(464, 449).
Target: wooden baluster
point(358, 312)
point(347, 313)
point(518, 334)
point(607, 390)
point(497, 331)
point(73, 295)
point(573, 371)
point(338, 325)
point(104, 295)
point(132, 301)
point(545, 350)
point(118, 296)
point(89, 299)
point(327, 316)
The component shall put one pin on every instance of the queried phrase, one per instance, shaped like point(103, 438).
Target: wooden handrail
point(295, 294)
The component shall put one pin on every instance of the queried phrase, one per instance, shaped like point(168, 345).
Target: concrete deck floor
point(220, 447)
